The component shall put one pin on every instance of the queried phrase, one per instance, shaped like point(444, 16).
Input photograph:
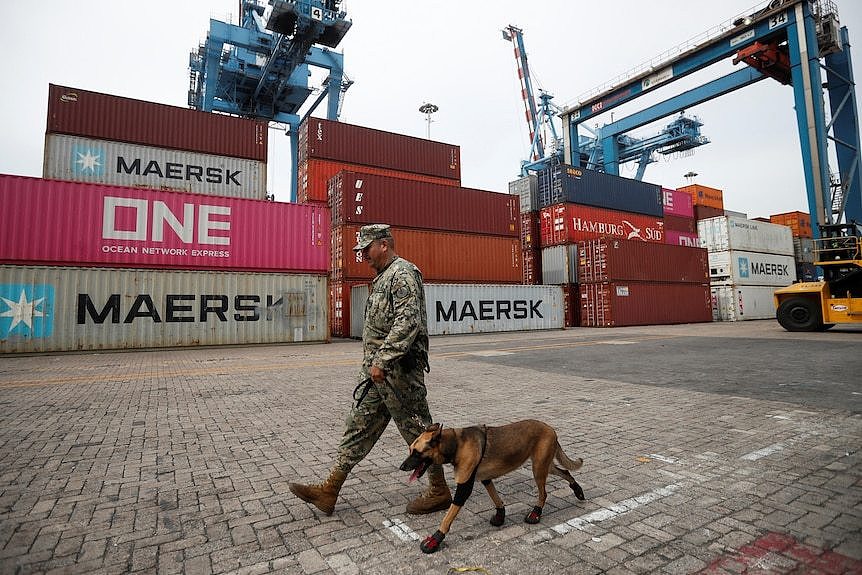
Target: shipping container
point(71, 308)
point(527, 190)
point(680, 224)
point(530, 230)
point(803, 250)
point(675, 238)
point(441, 256)
point(570, 223)
point(532, 266)
point(560, 264)
point(704, 212)
point(704, 196)
point(100, 116)
point(53, 222)
point(751, 268)
point(331, 140)
point(122, 164)
point(568, 184)
point(735, 214)
point(730, 233)
point(611, 304)
point(798, 222)
point(339, 309)
point(614, 260)
point(313, 178)
point(479, 308)
point(741, 302)
point(572, 304)
point(678, 204)
point(357, 198)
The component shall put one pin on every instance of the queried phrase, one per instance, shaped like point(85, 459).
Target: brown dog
point(485, 453)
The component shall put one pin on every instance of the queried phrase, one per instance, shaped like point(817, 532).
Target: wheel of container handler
point(826, 326)
point(800, 314)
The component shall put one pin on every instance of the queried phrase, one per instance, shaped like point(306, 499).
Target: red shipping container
point(677, 204)
point(675, 238)
point(571, 223)
point(608, 259)
point(679, 224)
point(441, 256)
point(54, 222)
point(532, 265)
point(339, 308)
point(572, 304)
point(611, 304)
point(329, 140)
point(314, 175)
point(105, 117)
point(705, 212)
point(366, 199)
point(530, 231)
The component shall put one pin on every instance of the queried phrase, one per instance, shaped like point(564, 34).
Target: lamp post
point(427, 108)
point(690, 176)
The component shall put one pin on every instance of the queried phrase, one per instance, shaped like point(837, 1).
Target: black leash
point(363, 389)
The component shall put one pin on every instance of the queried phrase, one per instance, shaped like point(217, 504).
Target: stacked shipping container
point(707, 202)
point(803, 244)
point(527, 190)
point(748, 260)
point(680, 227)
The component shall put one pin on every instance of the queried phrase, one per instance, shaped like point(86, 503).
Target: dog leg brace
point(462, 492)
point(432, 543)
point(534, 516)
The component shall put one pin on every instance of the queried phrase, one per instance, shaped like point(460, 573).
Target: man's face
point(376, 253)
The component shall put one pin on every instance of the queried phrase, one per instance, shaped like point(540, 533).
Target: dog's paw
point(499, 517)
point(579, 493)
point(534, 516)
point(432, 543)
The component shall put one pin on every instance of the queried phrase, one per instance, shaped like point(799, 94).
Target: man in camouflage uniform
point(392, 378)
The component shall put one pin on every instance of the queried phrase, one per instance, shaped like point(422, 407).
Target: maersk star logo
point(88, 161)
point(26, 310)
point(743, 267)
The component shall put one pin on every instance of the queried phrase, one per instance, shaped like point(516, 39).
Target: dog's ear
point(433, 428)
point(436, 430)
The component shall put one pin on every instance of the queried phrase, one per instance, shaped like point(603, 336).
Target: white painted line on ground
point(664, 458)
point(401, 530)
point(620, 508)
point(760, 453)
point(489, 353)
point(616, 342)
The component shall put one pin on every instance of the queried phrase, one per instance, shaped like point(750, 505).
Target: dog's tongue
point(416, 473)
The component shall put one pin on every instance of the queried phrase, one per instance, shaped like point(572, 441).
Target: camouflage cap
point(371, 232)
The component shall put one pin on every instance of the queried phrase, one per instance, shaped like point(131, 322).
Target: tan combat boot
point(322, 496)
point(436, 498)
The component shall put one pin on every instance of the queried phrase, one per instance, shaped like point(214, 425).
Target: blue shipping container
point(562, 184)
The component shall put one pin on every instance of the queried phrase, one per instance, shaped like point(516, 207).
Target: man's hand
point(377, 374)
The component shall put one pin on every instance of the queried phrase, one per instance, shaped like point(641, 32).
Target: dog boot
point(322, 496)
point(436, 498)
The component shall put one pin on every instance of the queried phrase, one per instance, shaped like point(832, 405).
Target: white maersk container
point(741, 302)
point(560, 264)
point(64, 308)
point(120, 164)
point(751, 268)
point(478, 308)
point(724, 233)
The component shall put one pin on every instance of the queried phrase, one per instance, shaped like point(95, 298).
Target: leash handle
point(362, 388)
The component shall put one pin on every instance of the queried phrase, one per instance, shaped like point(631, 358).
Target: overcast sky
point(402, 54)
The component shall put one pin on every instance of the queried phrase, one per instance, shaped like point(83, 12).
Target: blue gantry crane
point(261, 68)
point(789, 41)
point(680, 135)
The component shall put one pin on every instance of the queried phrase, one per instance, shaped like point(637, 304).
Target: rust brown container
point(441, 256)
point(680, 224)
point(329, 140)
point(100, 116)
point(706, 212)
point(358, 198)
point(571, 304)
point(609, 259)
point(532, 264)
point(339, 308)
point(530, 231)
point(313, 178)
point(615, 304)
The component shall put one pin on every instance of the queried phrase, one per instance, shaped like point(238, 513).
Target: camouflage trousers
point(401, 398)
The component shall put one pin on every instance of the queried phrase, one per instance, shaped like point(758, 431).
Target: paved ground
point(716, 448)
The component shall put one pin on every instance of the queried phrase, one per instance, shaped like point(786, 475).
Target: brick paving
point(177, 461)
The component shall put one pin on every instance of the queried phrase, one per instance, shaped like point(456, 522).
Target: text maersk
point(177, 171)
point(766, 269)
point(176, 308)
point(488, 310)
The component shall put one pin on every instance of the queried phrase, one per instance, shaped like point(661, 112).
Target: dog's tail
point(565, 461)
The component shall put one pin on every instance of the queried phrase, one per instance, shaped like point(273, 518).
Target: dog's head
point(424, 451)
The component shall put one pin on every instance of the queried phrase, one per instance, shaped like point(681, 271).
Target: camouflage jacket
point(396, 325)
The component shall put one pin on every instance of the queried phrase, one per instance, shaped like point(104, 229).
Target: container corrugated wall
point(357, 198)
point(100, 116)
point(441, 256)
point(612, 304)
point(568, 184)
point(92, 224)
point(479, 308)
point(613, 260)
point(570, 223)
point(68, 308)
point(675, 238)
point(704, 196)
point(121, 164)
point(560, 264)
point(737, 302)
point(731, 233)
point(527, 190)
point(330, 140)
point(677, 204)
point(751, 268)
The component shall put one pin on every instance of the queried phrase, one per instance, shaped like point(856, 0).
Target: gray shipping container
point(478, 308)
point(560, 264)
point(65, 308)
point(724, 233)
point(527, 189)
point(120, 164)
point(803, 250)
